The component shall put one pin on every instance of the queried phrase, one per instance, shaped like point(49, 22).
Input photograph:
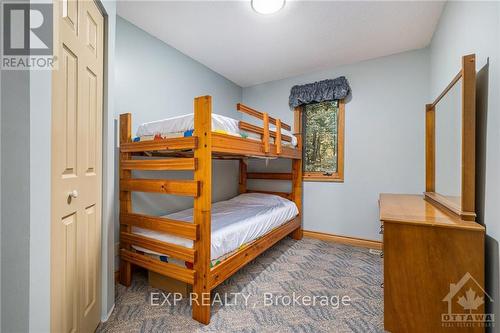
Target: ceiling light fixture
point(267, 7)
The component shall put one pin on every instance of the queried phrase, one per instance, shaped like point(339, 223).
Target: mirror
point(450, 144)
point(448, 131)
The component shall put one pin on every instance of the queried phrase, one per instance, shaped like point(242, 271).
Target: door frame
point(108, 193)
point(107, 172)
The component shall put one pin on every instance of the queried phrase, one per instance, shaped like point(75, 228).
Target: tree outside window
point(323, 141)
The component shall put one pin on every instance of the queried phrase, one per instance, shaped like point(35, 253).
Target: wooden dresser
point(425, 250)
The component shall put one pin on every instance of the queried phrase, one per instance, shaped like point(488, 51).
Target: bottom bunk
point(242, 228)
point(235, 223)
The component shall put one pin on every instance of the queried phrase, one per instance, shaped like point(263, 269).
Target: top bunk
point(230, 138)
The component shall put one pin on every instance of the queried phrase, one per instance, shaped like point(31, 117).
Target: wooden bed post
point(202, 207)
point(265, 137)
point(243, 177)
point(297, 171)
point(430, 153)
point(468, 203)
point(125, 196)
point(277, 141)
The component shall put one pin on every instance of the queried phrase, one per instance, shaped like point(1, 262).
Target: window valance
point(321, 91)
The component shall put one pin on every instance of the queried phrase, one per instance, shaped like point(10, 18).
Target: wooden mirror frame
point(466, 209)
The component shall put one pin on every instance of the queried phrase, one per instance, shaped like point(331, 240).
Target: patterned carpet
point(301, 268)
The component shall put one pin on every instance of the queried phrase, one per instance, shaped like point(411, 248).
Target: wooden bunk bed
point(196, 153)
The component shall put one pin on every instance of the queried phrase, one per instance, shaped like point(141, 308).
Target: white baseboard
point(105, 319)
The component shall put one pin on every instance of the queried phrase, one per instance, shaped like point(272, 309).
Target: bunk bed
point(187, 235)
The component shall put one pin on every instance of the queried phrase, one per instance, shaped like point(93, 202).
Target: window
point(323, 141)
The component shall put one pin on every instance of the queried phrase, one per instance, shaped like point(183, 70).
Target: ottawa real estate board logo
point(467, 305)
point(27, 36)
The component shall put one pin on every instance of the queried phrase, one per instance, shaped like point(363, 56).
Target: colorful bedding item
point(178, 262)
point(182, 126)
point(186, 123)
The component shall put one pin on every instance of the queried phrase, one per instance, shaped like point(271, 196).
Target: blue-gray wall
point(40, 199)
point(15, 178)
point(464, 28)
point(384, 140)
point(155, 81)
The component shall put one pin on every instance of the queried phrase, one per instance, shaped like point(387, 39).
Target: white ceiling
point(248, 48)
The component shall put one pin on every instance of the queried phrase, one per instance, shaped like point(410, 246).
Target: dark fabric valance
point(326, 90)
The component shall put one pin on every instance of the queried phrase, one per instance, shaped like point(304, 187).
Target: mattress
point(235, 222)
point(183, 126)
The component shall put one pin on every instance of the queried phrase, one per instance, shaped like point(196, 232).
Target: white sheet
point(235, 222)
point(186, 122)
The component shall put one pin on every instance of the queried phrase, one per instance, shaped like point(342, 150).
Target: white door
point(77, 97)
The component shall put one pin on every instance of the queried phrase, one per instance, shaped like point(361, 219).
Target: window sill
point(325, 179)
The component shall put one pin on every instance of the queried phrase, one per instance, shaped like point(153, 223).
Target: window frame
point(317, 176)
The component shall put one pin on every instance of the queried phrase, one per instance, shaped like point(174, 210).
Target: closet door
point(77, 98)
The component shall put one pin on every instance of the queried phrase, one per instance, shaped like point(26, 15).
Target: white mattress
point(186, 123)
point(235, 222)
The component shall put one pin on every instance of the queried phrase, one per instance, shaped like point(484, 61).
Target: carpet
point(260, 297)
